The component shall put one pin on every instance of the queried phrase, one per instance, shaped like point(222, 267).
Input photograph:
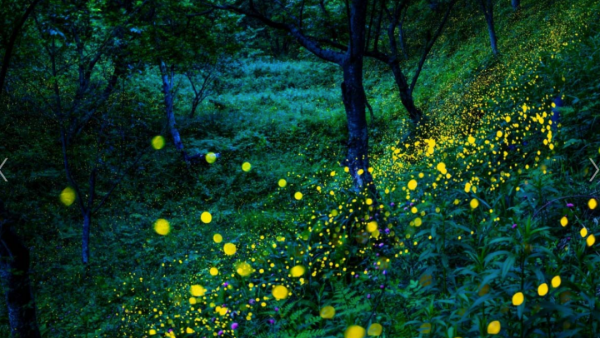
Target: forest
point(299, 168)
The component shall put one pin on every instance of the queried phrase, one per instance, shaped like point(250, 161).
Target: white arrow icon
point(1, 165)
point(595, 166)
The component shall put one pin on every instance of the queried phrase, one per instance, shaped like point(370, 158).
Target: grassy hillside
point(466, 219)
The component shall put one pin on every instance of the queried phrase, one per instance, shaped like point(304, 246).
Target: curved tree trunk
point(406, 97)
point(14, 269)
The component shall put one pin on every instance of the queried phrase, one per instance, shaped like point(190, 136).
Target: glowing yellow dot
point(591, 240)
point(214, 271)
point(217, 238)
point(556, 281)
point(280, 292)
point(371, 226)
point(197, 290)
point(206, 217)
point(583, 232)
point(592, 203)
point(375, 330)
point(152, 332)
point(564, 221)
point(327, 312)
point(229, 249)
point(418, 221)
point(298, 195)
point(355, 331)
point(246, 166)
point(67, 196)
point(518, 298)
point(282, 183)
point(543, 289)
point(412, 184)
point(474, 203)
point(493, 327)
point(189, 330)
point(298, 271)
point(162, 227)
point(211, 157)
point(158, 142)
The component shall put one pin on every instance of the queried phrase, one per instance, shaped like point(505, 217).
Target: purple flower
point(384, 272)
point(276, 309)
point(570, 205)
point(225, 284)
point(220, 332)
point(234, 326)
point(369, 296)
point(251, 301)
point(381, 286)
point(271, 321)
point(392, 204)
point(514, 225)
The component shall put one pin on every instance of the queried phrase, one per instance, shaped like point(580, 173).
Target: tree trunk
point(85, 243)
point(492, 32)
point(406, 97)
point(487, 7)
point(516, 4)
point(355, 101)
point(11, 43)
point(14, 269)
point(167, 92)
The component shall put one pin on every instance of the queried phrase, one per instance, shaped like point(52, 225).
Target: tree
point(487, 8)
point(14, 270)
point(394, 14)
point(176, 47)
point(8, 49)
point(93, 45)
point(351, 60)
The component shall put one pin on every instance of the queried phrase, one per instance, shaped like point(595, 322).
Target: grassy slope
point(269, 123)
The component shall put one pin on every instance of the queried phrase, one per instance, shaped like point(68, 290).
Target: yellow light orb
point(206, 217)
point(246, 166)
point(214, 271)
point(243, 269)
point(583, 232)
point(556, 281)
point(282, 183)
point(518, 298)
point(375, 330)
point(229, 249)
point(371, 226)
point(197, 290)
point(592, 203)
point(327, 312)
point(298, 271)
point(217, 238)
point(158, 142)
point(162, 227)
point(543, 289)
point(412, 184)
point(67, 196)
point(298, 195)
point(564, 221)
point(355, 331)
point(591, 240)
point(280, 292)
point(211, 157)
point(494, 327)
point(474, 203)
